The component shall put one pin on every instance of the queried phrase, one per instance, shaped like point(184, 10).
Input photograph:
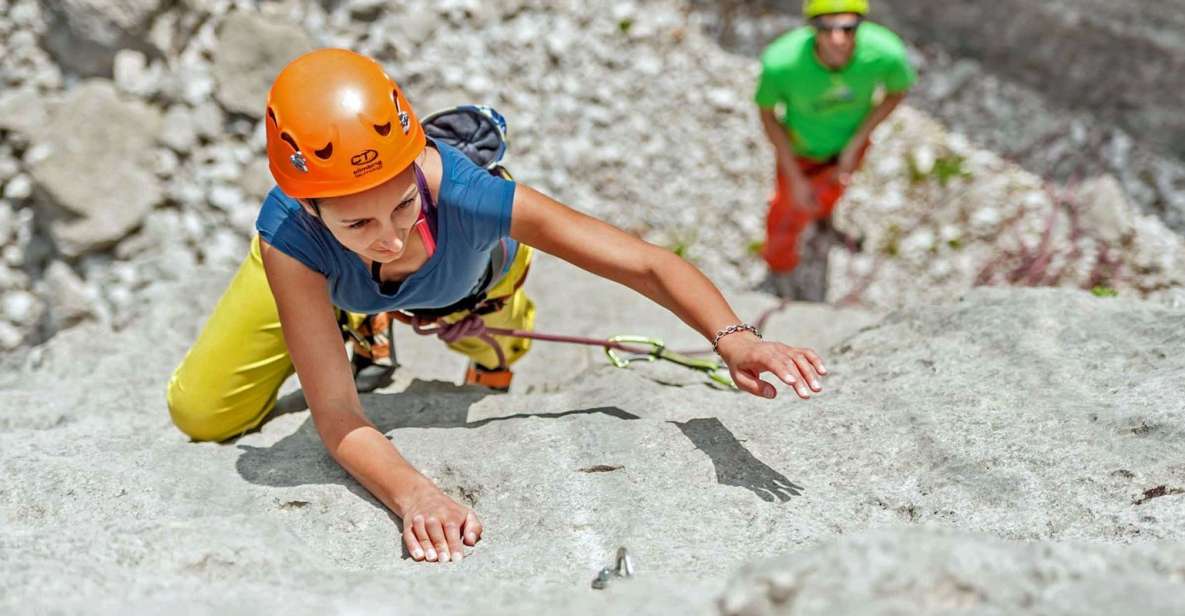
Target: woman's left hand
point(748, 356)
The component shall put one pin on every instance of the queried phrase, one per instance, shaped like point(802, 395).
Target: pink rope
point(473, 327)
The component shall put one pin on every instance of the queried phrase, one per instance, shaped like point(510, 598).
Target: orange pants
point(787, 219)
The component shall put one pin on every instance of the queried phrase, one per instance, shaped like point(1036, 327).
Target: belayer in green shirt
point(823, 89)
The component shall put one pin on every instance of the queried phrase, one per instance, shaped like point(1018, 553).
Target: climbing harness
point(623, 568)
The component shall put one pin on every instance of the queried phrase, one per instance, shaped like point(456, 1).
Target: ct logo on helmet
point(363, 158)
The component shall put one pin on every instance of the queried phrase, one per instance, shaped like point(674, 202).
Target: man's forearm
point(878, 115)
point(776, 133)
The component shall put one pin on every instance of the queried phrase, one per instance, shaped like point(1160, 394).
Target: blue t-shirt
point(473, 217)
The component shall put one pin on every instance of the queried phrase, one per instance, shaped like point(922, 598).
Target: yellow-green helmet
point(813, 8)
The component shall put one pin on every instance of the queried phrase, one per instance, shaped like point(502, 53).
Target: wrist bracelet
point(732, 329)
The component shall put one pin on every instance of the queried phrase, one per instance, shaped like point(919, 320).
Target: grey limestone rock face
point(250, 51)
point(1124, 62)
point(922, 571)
point(1034, 81)
point(98, 167)
point(70, 302)
point(1008, 447)
point(1039, 420)
point(22, 110)
point(85, 35)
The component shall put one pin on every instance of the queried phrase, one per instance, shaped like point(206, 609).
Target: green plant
point(1103, 291)
point(681, 243)
point(915, 175)
point(948, 167)
point(892, 240)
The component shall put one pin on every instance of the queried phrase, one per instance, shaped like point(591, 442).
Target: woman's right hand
point(435, 526)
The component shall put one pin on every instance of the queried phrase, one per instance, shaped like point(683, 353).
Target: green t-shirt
point(824, 108)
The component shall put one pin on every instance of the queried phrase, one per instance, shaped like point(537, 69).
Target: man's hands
point(848, 160)
point(748, 356)
point(804, 196)
point(435, 527)
point(801, 190)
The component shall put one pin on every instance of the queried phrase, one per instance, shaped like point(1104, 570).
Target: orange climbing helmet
point(337, 124)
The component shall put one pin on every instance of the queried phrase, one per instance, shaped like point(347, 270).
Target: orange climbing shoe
point(376, 339)
point(497, 380)
point(373, 361)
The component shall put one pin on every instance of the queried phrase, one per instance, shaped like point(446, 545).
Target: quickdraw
point(655, 350)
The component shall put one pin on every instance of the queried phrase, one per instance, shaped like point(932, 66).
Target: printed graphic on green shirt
point(839, 94)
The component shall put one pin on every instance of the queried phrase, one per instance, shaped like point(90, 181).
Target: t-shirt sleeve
point(481, 202)
point(283, 224)
point(769, 91)
point(900, 75)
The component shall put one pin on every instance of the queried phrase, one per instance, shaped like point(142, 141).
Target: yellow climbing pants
point(228, 381)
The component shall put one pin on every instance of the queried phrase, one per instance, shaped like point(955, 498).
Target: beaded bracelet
point(732, 329)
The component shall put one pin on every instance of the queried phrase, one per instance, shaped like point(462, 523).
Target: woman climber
point(370, 216)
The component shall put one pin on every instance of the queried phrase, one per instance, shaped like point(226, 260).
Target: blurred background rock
point(1041, 147)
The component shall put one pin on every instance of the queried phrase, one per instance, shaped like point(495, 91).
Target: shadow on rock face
point(735, 465)
point(301, 459)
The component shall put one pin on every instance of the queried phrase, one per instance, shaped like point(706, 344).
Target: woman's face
point(375, 223)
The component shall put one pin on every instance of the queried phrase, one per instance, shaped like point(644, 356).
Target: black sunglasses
point(822, 25)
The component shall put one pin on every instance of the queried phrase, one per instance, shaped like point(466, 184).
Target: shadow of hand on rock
point(735, 466)
point(301, 459)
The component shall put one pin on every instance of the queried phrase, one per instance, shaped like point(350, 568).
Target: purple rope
point(469, 327)
point(429, 202)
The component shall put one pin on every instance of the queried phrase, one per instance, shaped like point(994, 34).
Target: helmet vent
point(325, 152)
point(383, 129)
point(292, 142)
point(271, 114)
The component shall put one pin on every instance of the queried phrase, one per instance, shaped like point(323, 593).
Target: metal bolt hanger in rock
point(623, 568)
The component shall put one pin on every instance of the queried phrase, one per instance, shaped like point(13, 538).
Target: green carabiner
point(713, 369)
point(656, 347)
